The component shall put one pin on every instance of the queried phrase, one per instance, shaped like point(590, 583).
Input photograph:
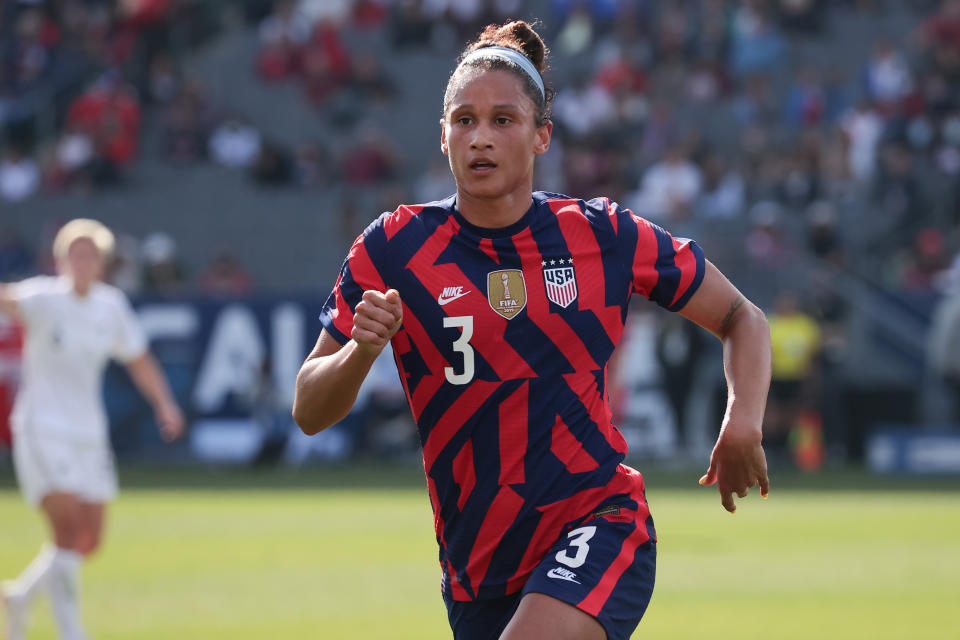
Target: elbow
point(305, 424)
point(759, 317)
point(749, 319)
point(304, 411)
point(307, 420)
point(311, 420)
point(757, 322)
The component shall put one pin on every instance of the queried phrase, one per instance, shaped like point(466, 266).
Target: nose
point(481, 137)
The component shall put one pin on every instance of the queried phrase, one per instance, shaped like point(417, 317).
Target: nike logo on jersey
point(562, 574)
point(450, 294)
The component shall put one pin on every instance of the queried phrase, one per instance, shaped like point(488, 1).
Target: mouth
point(482, 167)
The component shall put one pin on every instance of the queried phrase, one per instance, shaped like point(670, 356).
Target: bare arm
point(8, 304)
point(738, 461)
point(330, 378)
point(149, 378)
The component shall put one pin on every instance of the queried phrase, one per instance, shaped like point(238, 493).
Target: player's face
point(491, 137)
point(83, 262)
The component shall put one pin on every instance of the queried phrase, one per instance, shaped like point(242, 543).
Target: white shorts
point(49, 464)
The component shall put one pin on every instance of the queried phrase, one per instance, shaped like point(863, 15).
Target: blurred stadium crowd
point(812, 147)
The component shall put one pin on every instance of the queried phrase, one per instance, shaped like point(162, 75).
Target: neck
point(81, 288)
point(494, 213)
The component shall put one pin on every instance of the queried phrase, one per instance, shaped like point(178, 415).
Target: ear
point(544, 133)
point(443, 138)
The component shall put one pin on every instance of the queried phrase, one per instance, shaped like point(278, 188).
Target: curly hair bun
point(518, 35)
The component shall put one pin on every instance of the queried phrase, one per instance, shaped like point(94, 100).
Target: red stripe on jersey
point(513, 435)
point(459, 593)
point(569, 450)
point(343, 318)
point(585, 386)
point(495, 350)
point(580, 239)
point(687, 263)
point(399, 219)
point(401, 346)
point(561, 334)
point(595, 600)
point(645, 256)
point(365, 275)
point(428, 386)
point(612, 212)
point(414, 332)
point(486, 245)
point(362, 269)
point(503, 511)
point(453, 419)
point(464, 473)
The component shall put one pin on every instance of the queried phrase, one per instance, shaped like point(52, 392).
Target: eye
point(464, 120)
point(503, 120)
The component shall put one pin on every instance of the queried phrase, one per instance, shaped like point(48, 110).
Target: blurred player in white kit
point(64, 465)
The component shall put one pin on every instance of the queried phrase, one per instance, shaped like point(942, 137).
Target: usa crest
point(506, 292)
point(560, 282)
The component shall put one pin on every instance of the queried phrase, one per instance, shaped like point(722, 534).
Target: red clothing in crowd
point(111, 118)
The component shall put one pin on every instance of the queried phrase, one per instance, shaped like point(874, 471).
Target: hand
point(737, 464)
point(170, 420)
point(376, 319)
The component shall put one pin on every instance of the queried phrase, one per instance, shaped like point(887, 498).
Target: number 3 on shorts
point(461, 345)
point(579, 538)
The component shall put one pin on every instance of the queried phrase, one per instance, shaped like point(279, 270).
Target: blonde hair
point(96, 232)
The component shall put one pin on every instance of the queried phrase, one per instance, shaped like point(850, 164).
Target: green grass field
point(340, 554)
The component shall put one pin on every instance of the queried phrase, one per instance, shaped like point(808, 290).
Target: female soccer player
point(61, 450)
point(504, 306)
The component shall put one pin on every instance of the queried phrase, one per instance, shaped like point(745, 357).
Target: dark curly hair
point(519, 36)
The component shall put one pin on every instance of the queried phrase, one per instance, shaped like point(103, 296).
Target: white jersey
point(69, 339)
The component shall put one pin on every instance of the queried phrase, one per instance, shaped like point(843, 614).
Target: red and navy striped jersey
point(503, 350)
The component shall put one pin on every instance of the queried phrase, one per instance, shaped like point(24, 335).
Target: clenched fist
point(376, 318)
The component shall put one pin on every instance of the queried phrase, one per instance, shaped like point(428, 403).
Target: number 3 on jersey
point(578, 540)
point(461, 345)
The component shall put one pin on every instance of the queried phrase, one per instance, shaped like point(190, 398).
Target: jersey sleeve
point(130, 341)
point(665, 269)
point(31, 296)
point(357, 275)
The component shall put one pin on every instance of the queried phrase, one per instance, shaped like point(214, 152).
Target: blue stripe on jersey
point(584, 322)
point(669, 274)
point(327, 321)
point(408, 240)
point(627, 237)
point(415, 366)
point(485, 416)
point(697, 278)
point(348, 287)
point(511, 555)
point(533, 345)
point(601, 379)
point(552, 397)
point(617, 263)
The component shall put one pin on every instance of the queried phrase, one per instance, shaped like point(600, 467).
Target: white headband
point(510, 55)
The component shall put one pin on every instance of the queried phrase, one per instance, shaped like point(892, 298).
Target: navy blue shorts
point(605, 566)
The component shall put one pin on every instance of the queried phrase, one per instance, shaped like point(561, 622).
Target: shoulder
point(414, 216)
point(109, 295)
point(39, 285)
point(601, 212)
